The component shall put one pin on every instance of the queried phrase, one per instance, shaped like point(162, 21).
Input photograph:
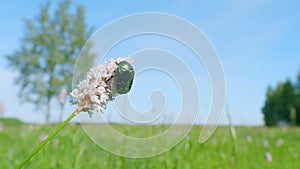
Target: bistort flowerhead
point(62, 96)
point(93, 92)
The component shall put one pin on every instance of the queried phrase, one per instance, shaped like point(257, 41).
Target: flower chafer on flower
point(98, 87)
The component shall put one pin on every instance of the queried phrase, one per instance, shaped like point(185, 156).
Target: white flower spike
point(101, 84)
point(93, 92)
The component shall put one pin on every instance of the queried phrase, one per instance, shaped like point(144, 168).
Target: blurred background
point(257, 42)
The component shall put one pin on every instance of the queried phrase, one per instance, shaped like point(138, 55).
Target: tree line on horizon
point(282, 104)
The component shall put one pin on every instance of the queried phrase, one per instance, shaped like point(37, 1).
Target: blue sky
point(257, 42)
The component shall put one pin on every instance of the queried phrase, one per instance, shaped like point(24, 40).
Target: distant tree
point(47, 53)
point(268, 108)
point(297, 100)
point(281, 105)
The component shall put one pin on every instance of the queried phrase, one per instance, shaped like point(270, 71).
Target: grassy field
point(72, 148)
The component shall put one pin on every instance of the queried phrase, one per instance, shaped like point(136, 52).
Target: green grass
point(72, 148)
point(10, 121)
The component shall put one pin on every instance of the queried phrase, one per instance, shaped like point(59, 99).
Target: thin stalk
point(233, 139)
point(38, 148)
point(61, 113)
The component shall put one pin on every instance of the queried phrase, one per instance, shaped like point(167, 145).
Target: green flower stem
point(38, 148)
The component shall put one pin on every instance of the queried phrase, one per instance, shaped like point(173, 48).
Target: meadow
point(255, 147)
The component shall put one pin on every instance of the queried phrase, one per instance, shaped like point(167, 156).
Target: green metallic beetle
point(123, 78)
